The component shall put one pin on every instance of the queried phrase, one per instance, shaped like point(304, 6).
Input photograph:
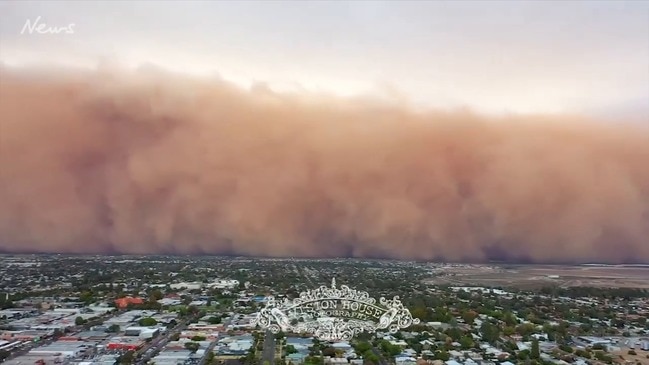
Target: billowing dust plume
point(147, 162)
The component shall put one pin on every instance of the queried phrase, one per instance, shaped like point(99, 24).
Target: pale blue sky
point(534, 56)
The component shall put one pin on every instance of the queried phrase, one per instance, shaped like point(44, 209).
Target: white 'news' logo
point(42, 28)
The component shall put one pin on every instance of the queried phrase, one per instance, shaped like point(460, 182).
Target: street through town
point(159, 342)
point(268, 353)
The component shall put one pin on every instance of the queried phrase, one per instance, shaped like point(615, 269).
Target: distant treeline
point(611, 293)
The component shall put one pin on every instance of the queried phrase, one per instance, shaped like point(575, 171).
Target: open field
point(525, 276)
point(640, 357)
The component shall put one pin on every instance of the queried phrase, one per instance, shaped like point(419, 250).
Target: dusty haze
point(147, 162)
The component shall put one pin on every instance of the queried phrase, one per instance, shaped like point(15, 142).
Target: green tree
point(155, 295)
point(290, 349)
point(371, 357)
point(79, 321)
point(535, 353)
point(313, 360)
point(510, 319)
point(5, 301)
point(525, 329)
point(362, 346)
point(490, 332)
point(466, 342)
point(582, 353)
point(454, 333)
point(394, 350)
point(420, 312)
point(147, 322)
point(469, 316)
point(329, 351)
point(442, 355)
point(602, 356)
point(192, 346)
point(87, 297)
point(566, 348)
point(183, 311)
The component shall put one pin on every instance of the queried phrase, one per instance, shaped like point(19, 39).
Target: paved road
point(209, 349)
point(269, 349)
point(159, 342)
point(306, 276)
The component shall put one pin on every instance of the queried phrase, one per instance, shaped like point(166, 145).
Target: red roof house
point(124, 302)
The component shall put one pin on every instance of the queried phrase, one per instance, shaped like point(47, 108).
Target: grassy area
point(641, 356)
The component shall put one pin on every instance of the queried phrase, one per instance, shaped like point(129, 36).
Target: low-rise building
point(296, 358)
point(125, 343)
point(208, 335)
point(170, 301)
point(204, 326)
point(36, 359)
point(187, 286)
point(25, 335)
point(172, 357)
point(335, 360)
point(63, 348)
point(126, 301)
point(234, 345)
point(142, 332)
point(405, 360)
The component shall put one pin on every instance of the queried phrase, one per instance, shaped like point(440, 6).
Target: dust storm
point(145, 162)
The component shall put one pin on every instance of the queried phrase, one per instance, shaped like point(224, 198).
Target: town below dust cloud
point(115, 161)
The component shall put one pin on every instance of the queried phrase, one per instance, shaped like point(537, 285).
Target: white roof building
point(341, 345)
point(188, 286)
point(405, 360)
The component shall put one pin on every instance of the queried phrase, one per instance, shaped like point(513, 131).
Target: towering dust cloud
point(147, 162)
